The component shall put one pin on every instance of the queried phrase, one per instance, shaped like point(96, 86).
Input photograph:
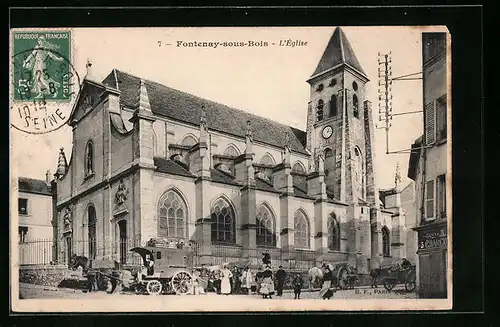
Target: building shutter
point(429, 200)
point(430, 123)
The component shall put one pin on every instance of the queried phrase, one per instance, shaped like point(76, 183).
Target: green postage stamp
point(42, 66)
point(44, 82)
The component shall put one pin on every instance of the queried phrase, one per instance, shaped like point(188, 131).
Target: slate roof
point(184, 107)
point(338, 51)
point(31, 185)
point(221, 177)
point(300, 189)
point(263, 185)
point(171, 167)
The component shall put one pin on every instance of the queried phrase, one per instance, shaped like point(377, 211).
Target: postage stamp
point(231, 169)
point(44, 83)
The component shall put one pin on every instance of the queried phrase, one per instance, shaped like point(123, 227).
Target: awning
point(142, 252)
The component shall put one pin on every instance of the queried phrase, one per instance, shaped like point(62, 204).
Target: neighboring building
point(401, 203)
point(35, 203)
point(408, 204)
point(428, 168)
point(149, 161)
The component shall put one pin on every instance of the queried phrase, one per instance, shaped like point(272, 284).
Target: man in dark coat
point(280, 280)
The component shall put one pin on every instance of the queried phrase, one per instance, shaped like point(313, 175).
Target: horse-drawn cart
point(166, 270)
point(395, 275)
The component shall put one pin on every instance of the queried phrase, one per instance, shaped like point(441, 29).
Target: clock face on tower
point(327, 132)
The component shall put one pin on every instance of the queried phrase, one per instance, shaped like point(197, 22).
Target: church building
point(149, 161)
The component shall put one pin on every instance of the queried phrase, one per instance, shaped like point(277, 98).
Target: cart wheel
point(410, 281)
point(342, 278)
point(153, 287)
point(181, 282)
point(389, 285)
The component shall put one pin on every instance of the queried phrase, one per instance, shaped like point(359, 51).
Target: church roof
point(338, 51)
point(31, 185)
point(171, 167)
point(184, 107)
point(221, 177)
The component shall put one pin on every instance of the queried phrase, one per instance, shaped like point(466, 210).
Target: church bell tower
point(339, 120)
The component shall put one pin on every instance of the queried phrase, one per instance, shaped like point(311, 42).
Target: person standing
point(246, 280)
point(298, 282)
point(225, 287)
point(258, 279)
point(280, 280)
point(236, 280)
point(267, 288)
point(326, 292)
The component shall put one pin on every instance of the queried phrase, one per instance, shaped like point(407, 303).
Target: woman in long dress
point(267, 288)
point(246, 280)
point(225, 287)
point(325, 292)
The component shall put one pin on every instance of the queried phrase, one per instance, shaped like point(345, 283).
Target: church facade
point(149, 161)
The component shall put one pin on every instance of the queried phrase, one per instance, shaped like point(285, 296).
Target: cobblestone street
point(29, 291)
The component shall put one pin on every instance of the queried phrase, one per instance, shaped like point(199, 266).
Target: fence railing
point(36, 252)
point(41, 252)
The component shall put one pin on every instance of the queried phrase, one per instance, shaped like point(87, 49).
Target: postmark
point(44, 83)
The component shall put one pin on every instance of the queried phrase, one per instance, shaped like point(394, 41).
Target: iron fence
point(36, 252)
point(41, 252)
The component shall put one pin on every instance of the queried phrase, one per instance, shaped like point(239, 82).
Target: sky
point(267, 81)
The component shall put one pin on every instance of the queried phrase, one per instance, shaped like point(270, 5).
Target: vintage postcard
point(230, 169)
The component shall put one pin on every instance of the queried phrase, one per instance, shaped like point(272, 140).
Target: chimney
point(47, 177)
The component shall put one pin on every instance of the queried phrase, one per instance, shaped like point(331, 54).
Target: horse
point(315, 275)
point(82, 261)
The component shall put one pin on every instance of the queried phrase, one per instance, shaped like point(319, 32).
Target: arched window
point(268, 160)
point(386, 241)
point(189, 140)
point(355, 106)
point(172, 215)
point(333, 106)
point(122, 226)
point(232, 151)
point(301, 227)
point(333, 233)
point(319, 110)
point(298, 167)
point(89, 158)
point(223, 222)
point(92, 220)
point(265, 227)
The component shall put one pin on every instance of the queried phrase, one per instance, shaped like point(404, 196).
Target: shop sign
point(432, 239)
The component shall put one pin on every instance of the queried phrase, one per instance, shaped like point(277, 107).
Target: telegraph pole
point(385, 94)
point(385, 81)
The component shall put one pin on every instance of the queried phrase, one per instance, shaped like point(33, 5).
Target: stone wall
point(45, 275)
